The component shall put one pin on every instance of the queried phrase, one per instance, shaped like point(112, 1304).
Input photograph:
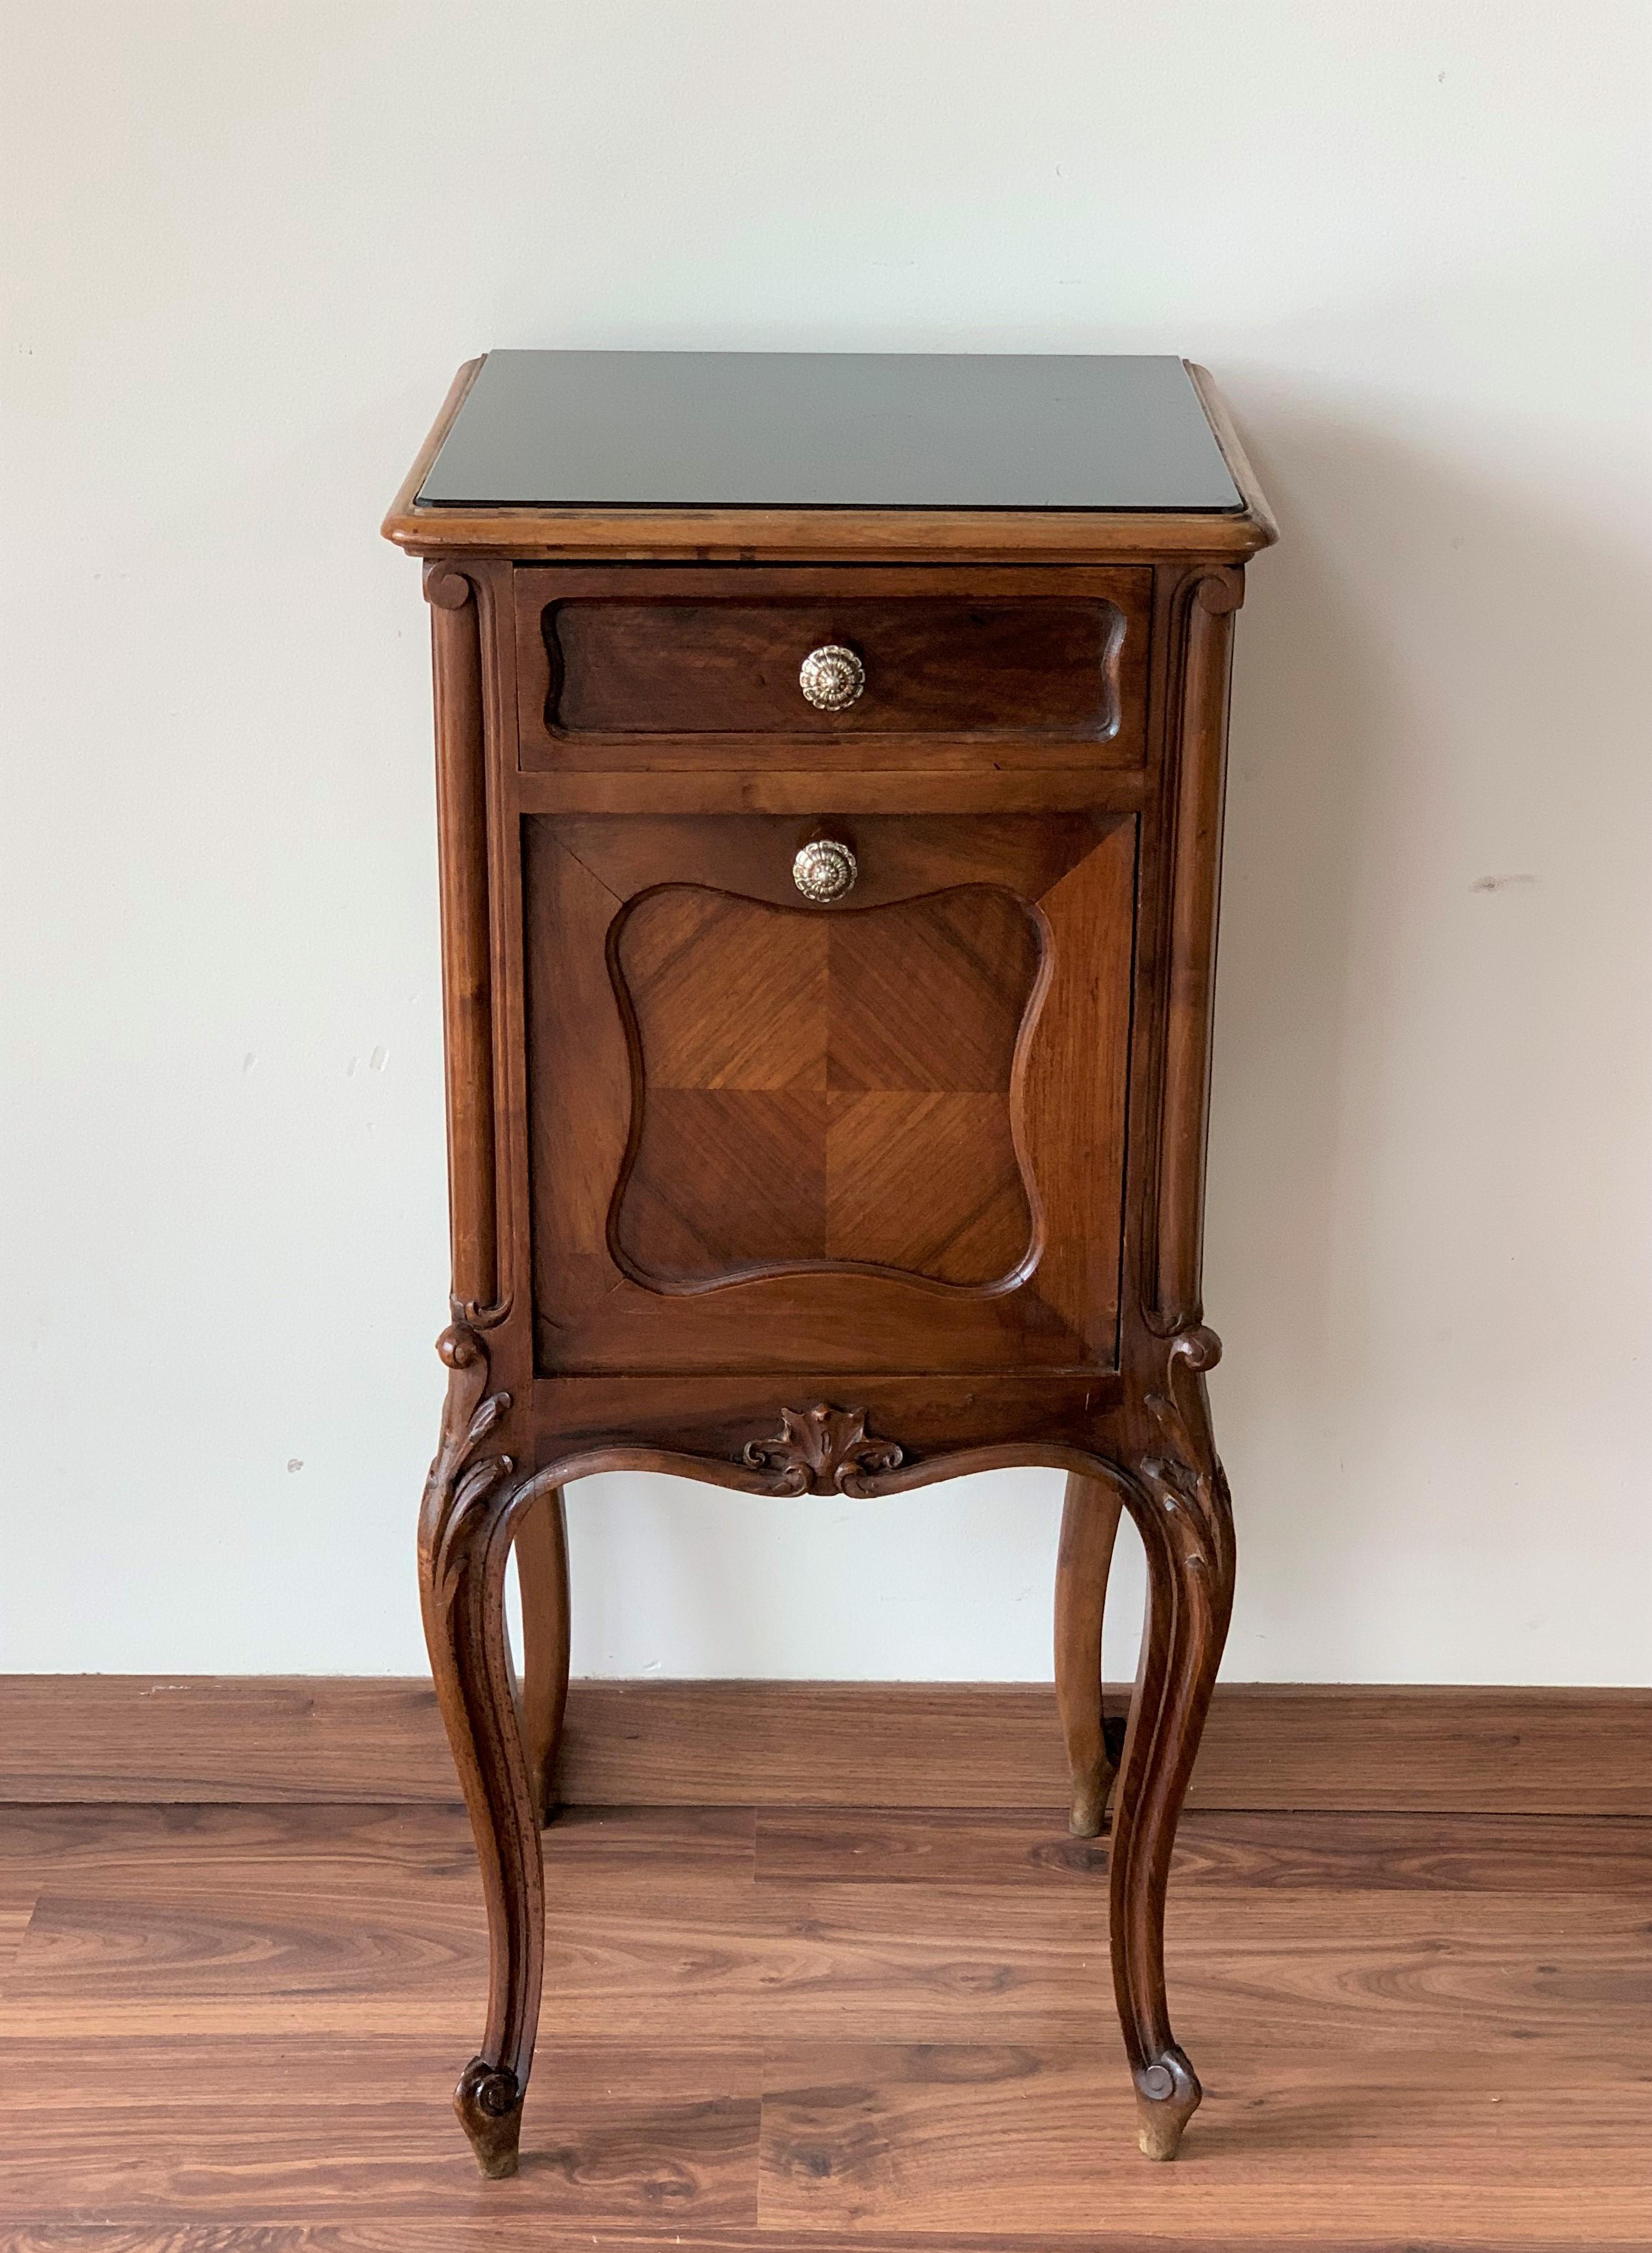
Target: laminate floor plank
point(684, 1965)
point(209, 1950)
point(1023, 2145)
point(15, 1914)
point(1032, 2141)
point(529, 2233)
point(240, 2130)
point(341, 1844)
point(1366, 1853)
point(235, 2029)
point(23, 1872)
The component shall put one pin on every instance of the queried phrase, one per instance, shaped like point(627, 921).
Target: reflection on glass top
point(830, 430)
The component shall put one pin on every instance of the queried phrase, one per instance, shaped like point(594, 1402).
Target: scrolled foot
point(1168, 2096)
point(489, 2104)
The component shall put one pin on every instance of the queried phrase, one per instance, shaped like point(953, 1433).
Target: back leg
point(1090, 1520)
point(541, 1566)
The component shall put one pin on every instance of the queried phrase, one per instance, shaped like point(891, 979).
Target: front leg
point(1179, 1498)
point(464, 1538)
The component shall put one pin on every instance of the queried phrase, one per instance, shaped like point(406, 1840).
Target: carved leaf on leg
point(821, 1449)
point(1188, 1475)
point(467, 1416)
point(456, 1483)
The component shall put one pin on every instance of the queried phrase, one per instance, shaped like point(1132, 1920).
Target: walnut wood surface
point(468, 983)
point(817, 795)
point(813, 1090)
point(666, 669)
point(1089, 1522)
point(813, 2028)
point(924, 1088)
point(541, 1564)
point(728, 1159)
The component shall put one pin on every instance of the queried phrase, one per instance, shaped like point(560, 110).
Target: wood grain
point(1008, 2138)
point(311, 2131)
point(813, 1090)
point(230, 2028)
point(275, 1737)
point(1295, 1852)
point(755, 1140)
point(527, 2234)
point(671, 668)
point(861, 790)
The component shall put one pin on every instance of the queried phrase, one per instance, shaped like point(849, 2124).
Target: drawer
point(682, 666)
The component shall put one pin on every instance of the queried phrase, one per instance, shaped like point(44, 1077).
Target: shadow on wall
point(1418, 946)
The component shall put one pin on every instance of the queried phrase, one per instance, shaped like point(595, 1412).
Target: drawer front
point(690, 668)
point(843, 1097)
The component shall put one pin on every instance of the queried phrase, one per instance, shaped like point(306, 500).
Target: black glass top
point(830, 430)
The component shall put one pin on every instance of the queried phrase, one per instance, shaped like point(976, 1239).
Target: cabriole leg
point(1179, 1500)
point(465, 1531)
point(1089, 1522)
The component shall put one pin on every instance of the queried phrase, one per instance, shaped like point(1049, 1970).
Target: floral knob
point(824, 871)
point(831, 677)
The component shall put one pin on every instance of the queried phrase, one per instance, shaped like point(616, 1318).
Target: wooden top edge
point(803, 536)
point(1255, 508)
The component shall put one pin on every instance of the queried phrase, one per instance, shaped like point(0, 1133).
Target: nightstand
point(830, 761)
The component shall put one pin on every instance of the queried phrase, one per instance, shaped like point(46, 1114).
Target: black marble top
point(830, 430)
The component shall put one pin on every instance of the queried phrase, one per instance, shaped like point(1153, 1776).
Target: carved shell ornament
point(821, 1448)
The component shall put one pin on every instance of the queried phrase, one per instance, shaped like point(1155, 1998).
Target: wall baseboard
point(265, 1738)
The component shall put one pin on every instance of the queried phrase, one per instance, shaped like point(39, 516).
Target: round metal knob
point(824, 871)
point(831, 677)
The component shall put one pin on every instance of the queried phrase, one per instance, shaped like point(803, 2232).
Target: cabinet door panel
point(885, 1136)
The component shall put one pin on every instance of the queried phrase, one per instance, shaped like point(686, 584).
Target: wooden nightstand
point(830, 756)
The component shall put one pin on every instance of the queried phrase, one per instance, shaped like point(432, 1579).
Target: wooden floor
point(233, 2030)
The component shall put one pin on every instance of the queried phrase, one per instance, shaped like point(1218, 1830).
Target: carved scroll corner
point(463, 1352)
point(1184, 1473)
point(821, 1450)
point(1191, 1352)
point(447, 589)
point(1219, 591)
point(457, 1482)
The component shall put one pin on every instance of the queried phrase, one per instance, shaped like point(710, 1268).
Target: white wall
point(247, 247)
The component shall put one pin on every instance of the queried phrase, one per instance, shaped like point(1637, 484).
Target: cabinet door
point(884, 1135)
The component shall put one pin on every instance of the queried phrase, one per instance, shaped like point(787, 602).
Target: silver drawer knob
point(824, 871)
point(831, 677)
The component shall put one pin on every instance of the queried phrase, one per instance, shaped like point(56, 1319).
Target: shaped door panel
point(883, 1135)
